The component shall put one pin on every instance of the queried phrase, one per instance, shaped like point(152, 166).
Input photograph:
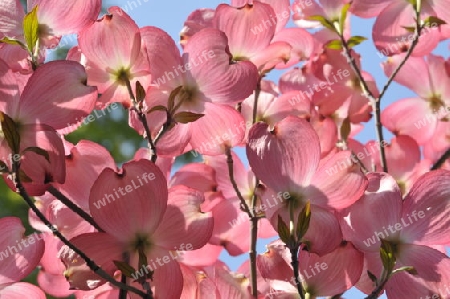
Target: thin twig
point(254, 223)
point(373, 101)
point(254, 218)
point(74, 207)
point(244, 204)
point(148, 135)
point(294, 263)
point(143, 119)
point(378, 289)
point(402, 63)
point(254, 242)
point(385, 88)
point(123, 293)
point(358, 161)
point(356, 70)
point(252, 254)
point(148, 288)
point(438, 164)
point(376, 102)
point(162, 131)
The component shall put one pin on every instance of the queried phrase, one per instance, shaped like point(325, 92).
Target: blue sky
point(170, 15)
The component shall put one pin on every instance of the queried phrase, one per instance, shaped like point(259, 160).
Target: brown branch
point(376, 102)
point(74, 207)
point(438, 164)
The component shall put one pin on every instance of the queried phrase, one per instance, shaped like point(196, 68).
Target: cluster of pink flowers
point(373, 216)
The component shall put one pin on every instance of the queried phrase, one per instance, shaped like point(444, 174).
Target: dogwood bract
point(339, 212)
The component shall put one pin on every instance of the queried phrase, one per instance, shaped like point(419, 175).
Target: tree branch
point(143, 119)
point(244, 204)
point(294, 263)
point(438, 164)
point(74, 207)
point(376, 102)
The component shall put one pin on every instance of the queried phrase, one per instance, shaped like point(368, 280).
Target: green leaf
point(140, 92)
point(322, 20)
point(409, 269)
point(126, 269)
point(387, 255)
point(11, 41)
point(433, 21)
point(410, 29)
point(334, 44)
point(283, 231)
point(304, 219)
point(11, 132)
point(39, 151)
point(355, 40)
point(372, 277)
point(186, 117)
point(343, 17)
point(31, 29)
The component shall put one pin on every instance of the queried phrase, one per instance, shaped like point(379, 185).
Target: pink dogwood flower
point(19, 255)
point(286, 158)
point(210, 82)
point(139, 215)
point(256, 32)
point(300, 86)
point(273, 107)
point(390, 31)
point(55, 19)
point(201, 177)
point(410, 225)
point(402, 157)
point(216, 280)
point(50, 277)
point(84, 162)
point(331, 274)
point(418, 116)
point(55, 95)
point(340, 89)
point(114, 52)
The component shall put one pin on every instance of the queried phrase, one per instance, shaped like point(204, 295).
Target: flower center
point(435, 103)
point(141, 243)
point(122, 76)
